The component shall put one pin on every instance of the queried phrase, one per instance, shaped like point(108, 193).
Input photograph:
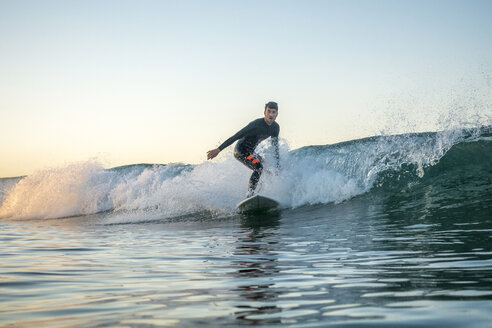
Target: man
point(249, 137)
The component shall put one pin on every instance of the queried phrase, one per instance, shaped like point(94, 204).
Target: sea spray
point(73, 190)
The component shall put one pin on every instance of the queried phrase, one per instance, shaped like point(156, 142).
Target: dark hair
point(272, 105)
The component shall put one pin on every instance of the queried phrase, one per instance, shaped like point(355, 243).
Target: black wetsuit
point(249, 137)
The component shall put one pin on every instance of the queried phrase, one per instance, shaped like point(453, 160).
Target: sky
point(125, 82)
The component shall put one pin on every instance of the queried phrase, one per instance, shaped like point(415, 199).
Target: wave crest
point(309, 175)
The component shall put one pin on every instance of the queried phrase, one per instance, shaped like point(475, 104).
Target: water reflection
point(256, 263)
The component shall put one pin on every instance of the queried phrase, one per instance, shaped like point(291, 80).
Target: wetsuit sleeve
point(277, 151)
point(241, 133)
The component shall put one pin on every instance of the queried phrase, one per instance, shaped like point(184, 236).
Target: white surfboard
point(257, 203)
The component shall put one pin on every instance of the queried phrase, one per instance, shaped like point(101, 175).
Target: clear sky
point(165, 81)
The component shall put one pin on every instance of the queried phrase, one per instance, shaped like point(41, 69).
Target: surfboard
point(257, 203)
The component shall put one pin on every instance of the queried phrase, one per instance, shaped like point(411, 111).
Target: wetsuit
point(249, 137)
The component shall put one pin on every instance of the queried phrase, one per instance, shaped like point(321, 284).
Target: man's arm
point(277, 151)
point(275, 144)
point(241, 133)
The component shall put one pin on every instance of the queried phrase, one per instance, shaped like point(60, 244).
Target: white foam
point(76, 189)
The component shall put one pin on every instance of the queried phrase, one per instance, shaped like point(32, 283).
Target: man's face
point(270, 115)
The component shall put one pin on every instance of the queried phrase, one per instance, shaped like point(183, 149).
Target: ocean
point(387, 231)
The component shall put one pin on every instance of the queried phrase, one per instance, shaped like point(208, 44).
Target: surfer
point(249, 137)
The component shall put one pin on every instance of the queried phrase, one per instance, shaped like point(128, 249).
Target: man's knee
point(255, 162)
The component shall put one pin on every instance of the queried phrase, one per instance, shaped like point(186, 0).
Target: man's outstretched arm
point(241, 133)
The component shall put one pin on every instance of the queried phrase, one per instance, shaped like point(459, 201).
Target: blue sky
point(165, 81)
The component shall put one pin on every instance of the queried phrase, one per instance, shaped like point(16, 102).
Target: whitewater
point(390, 230)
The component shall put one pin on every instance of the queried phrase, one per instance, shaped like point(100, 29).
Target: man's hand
point(212, 153)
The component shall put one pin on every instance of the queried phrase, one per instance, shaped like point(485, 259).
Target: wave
point(309, 175)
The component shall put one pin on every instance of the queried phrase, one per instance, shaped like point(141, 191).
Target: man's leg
point(255, 177)
point(254, 163)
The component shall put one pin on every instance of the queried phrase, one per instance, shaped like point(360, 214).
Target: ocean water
point(388, 231)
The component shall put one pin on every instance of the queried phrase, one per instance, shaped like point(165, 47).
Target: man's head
point(271, 112)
